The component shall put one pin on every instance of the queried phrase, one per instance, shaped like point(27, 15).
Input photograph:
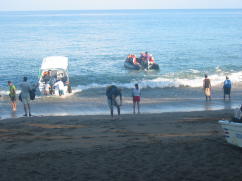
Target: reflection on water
point(208, 106)
point(13, 114)
point(227, 104)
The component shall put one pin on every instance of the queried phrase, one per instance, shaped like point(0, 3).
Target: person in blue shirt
point(227, 87)
point(112, 93)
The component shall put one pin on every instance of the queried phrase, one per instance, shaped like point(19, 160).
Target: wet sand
point(153, 100)
point(167, 146)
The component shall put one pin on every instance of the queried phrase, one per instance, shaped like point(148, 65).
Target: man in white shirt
point(136, 98)
point(59, 85)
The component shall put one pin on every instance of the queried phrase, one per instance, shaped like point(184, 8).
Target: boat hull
point(131, 66)
point(232, 132)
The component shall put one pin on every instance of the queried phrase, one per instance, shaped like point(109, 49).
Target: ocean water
point(185, 43)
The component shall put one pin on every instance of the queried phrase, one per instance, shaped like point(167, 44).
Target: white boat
point(232, 132)
point(53, 70)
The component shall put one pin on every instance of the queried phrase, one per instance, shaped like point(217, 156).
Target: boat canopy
point(54, 62)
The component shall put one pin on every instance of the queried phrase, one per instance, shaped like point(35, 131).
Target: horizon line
point(121, 9)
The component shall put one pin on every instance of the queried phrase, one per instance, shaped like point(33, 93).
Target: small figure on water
point(112, 93)
point(207, 87)
point(227, 87)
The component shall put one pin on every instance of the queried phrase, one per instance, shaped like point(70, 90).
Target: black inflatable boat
point(128, 63)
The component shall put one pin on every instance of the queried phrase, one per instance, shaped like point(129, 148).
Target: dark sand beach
point(167, 146)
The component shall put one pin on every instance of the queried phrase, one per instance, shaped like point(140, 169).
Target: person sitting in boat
point(151, 60)
point(147, 57)
point(129, 58)
point(134, 59)
point(47, 76)
point(142, 56)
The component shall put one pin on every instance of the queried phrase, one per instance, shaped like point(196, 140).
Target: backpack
point(227, 84)
point(32, 94)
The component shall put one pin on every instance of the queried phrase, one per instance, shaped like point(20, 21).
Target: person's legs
point(111, 112)
point(110, 105)
point(14, 105)
point(25, 109)
point(118, 108)
point(134, 107)
point(229, 92)
point(13, 102)
point(29, 109)
point(138, 106)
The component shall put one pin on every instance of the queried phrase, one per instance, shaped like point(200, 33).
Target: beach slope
point(167, 146)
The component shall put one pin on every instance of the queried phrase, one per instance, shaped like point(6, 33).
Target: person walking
point(227, 87)
point(12, 95)
point(112, 93)
point(136, 98)
point(207, 87)
point(25, 96)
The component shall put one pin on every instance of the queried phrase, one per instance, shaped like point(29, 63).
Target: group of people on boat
point(145, 58)
point(53, 82)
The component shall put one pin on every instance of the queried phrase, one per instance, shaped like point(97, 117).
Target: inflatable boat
point(140, 65)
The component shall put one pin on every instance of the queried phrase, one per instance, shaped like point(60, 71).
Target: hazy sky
point(116, 4)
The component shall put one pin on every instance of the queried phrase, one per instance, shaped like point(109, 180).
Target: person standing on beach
point(207, 87)
point(112, 93)
point(227, 87)
point(12, 95)
point(25, 96)
point(136, 98)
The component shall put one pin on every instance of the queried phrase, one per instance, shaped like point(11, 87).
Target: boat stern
point(232, 132)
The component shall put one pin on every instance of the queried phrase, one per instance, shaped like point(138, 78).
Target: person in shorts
point(227, 87)
point(25, 95)
point(136, 98)
point(12, 95)
point(112, 93)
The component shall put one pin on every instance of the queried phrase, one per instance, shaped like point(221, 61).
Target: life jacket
point(45, 73)
point(134, 59)
point(152, 60)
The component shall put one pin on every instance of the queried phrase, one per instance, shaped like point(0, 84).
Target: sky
point(22, 5)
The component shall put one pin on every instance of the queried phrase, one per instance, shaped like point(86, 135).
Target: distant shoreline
point(56, 10)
